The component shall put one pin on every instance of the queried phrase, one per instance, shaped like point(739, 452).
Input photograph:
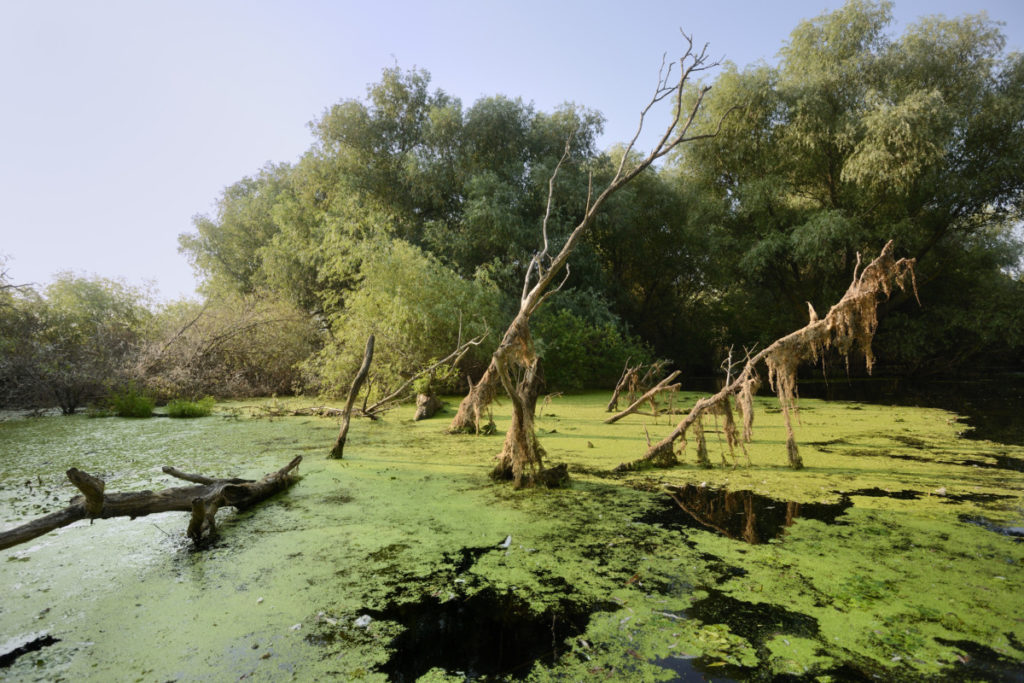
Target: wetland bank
point(896, 553)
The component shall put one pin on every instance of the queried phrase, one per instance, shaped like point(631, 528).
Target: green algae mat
point(896, 554)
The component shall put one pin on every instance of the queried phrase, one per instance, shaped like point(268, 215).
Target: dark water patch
point(467, 557)
point(741, 515)
point(1014, 532)
point(990, 404)
point(822, 445)
point(999, 462)
point(34, 645)
point(905, 494)
point(388, 552)
point(486, 635)
point(910, 441)
point(687, 669)
point(981, 663)
point(757, 622)
point(978, 497)
point(1006, 462)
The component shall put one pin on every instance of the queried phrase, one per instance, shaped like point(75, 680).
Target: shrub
point(130, 403)
point(183, 408)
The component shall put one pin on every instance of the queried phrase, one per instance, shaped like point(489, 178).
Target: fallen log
point(202, 500)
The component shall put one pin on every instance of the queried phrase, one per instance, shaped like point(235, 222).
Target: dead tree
point(202, 501)
point(626, 379)
point(850, 324)
point(514, 362)
point(663, 385)
point(337, 451)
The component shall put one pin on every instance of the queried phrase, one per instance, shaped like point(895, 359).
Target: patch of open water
point(741, 515)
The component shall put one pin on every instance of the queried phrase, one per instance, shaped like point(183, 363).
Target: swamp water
point(891, 555)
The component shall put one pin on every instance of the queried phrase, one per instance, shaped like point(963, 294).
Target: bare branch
point(452, 358)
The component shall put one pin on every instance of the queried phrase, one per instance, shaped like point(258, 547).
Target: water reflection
point(741, 515)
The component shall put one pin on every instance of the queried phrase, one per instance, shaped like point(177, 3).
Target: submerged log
point(202, 500)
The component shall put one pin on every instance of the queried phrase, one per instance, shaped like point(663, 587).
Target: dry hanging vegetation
point(849, 325)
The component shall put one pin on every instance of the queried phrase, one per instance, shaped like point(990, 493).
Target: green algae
point(902, 587)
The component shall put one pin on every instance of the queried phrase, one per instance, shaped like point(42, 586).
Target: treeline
point(413, 216)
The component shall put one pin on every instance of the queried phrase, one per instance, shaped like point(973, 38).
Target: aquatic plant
point(184, 408)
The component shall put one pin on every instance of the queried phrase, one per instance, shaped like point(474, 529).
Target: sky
point(121, 120)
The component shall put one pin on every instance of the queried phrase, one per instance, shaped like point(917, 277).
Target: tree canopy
point(414, 216)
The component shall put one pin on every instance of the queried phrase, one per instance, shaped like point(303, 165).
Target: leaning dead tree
point(452, 359)
point(202, 501)
point(514, 363)
point(649, 395)
point(849, 325)
point(633, 383)
point(338, 450)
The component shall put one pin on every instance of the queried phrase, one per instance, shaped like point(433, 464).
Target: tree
point(850, 324)
point(71, 344)
point(515, 363)
point(226, 251)
point(231, 345)
point(417, 308)
point(855, 138)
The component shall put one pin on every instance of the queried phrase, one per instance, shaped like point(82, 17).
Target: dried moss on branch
point(202, 500)
point(849, 325)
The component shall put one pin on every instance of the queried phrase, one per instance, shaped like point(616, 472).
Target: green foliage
point(582, 344)
point(68, 344)
point(130, 402)
point(417, 307)
point(443, 380)
point(854, 138)
point(184, 408)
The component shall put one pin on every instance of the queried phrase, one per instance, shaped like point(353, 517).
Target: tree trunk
point(202, 500)
point(426, 407)
point(338, 450)
point(467, 419)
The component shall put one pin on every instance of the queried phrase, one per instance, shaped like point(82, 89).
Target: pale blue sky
point(121, 119)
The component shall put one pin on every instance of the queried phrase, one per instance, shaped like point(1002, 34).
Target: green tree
point(854, 138)
point(71, 344)
point(418, 309)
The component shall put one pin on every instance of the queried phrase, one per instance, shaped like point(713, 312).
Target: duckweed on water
point(887, 556)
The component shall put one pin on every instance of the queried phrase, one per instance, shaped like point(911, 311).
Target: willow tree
point(514, 364)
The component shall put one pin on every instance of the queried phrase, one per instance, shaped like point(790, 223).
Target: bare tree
point(514, 363)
